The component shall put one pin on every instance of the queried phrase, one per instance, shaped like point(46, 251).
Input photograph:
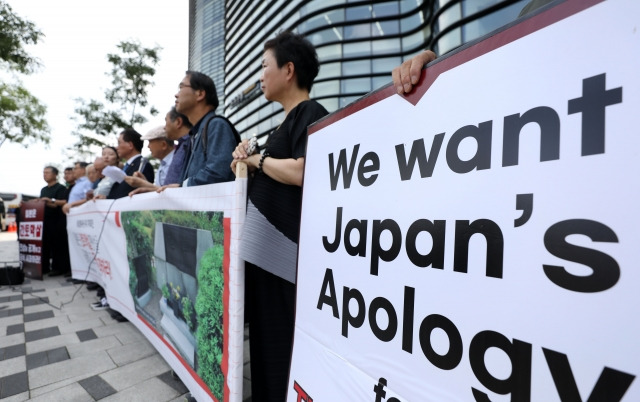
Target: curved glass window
point(356, 67)
point(357, 49)
point(356, 85)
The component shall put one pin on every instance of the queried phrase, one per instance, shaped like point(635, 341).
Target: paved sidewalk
point(54, 347)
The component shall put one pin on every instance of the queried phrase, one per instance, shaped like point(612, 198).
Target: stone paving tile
point(5, 322)
point(86, 335)
point(72, 369)
point(129, 353)
point(11, 305)
point(153, 390)
point(55, 321)
point(26, 302)
point(43, 333)
point(89, 314)
point(36, 360)
point(12, 366)
point(15, 329)
point(29, 290)
point(10, 352)
point(14, 384)
point(173, 382)
point(11, 298)
point(38, 315)
point(19, 397)
point(52, 343)
point(93, 346)
point(97, 387)
point(39, 308)
point(57, 355)
point(8, 312)
point(125, 331)
point(131, 374)
point(69, 392)
point(70, 327)
point(53, 387)
point(11, 340)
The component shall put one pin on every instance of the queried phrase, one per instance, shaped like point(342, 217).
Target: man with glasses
point(212, 137)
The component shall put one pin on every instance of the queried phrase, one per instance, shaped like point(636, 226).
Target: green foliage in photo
point(209, 310)
point(206, 316)
point(189, 313)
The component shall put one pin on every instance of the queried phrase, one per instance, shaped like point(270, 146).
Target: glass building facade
point(206, 41)
point(358, 44)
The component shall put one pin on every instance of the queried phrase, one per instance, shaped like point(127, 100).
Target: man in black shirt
point(53, 195)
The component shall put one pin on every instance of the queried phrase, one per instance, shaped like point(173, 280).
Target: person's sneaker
point(101, 305)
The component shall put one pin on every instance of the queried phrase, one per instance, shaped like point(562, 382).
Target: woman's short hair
point(290, 47)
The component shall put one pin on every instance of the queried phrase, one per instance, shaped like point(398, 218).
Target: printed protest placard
point(30, 234)
point(479, 242)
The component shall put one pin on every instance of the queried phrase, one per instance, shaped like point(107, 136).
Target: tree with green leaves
point(98, 123)
point(22, 116)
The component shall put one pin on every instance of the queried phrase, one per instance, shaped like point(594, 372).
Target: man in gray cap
point(162, 148)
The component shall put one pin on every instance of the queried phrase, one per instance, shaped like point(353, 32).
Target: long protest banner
point(478, 239)
point(169, 263)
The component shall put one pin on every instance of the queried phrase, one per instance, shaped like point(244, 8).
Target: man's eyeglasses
point(183, 86)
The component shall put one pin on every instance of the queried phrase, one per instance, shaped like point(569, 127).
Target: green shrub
point(209, 312)
point(189, 313)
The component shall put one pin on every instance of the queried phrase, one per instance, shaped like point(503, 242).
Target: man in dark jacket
point(129, 148)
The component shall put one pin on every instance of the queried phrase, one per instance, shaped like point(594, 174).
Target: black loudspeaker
point(11, 274)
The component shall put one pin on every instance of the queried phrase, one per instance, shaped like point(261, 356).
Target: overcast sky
point(79, 34)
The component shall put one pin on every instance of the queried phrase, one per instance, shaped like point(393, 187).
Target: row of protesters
point(205, 139)
point(93, 177)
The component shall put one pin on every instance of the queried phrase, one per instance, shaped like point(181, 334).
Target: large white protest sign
point(169, 263)
point(481, 241)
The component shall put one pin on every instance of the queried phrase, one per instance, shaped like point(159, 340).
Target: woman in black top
point(270, 235)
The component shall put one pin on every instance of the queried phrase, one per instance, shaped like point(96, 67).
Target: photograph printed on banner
point(177, 283)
